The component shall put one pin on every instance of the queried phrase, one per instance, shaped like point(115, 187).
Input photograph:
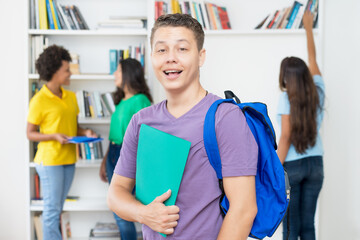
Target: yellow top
point(54, 115)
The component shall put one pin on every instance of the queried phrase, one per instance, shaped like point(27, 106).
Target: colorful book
point(49, 15)
point(43, 15)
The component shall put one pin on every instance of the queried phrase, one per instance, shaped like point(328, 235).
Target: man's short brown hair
point(180, 20)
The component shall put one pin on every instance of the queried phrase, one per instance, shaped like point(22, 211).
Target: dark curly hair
point(50, 61)
point(180, 20)
point(133, 78)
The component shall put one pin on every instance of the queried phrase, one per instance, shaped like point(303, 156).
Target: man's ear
point(202, 57)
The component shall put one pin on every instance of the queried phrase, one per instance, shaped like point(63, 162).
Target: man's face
point(175, 58)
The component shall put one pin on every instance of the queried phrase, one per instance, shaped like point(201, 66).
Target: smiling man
point(177, 55)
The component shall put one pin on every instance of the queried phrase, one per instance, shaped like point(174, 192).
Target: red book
point(224, 18)
point(37, 186)
point(273, 20)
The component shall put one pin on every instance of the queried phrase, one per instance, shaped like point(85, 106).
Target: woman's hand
point(61, 138)
point(308, 20)
point(102, 172)
point(90, 133)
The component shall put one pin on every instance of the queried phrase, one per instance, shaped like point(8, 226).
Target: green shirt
point(123, 114)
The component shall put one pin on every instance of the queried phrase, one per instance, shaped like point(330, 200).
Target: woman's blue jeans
point(306, 178)
point(55, 185)
point(127, 229)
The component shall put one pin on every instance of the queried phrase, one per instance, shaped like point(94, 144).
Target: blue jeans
point(55, 185)
point(306, 178)
point(127, 229)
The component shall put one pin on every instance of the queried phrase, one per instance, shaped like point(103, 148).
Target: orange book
point(211, 13)
point(37, 186)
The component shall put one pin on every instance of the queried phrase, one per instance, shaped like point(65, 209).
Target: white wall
point(340, 197)
point(12, 121)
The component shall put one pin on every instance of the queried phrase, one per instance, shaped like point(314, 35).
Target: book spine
point(98, 104)
point(66, 10)
point(113, 60)
point(293, 15)
point(43, 15)
point(83, 151)
point(82, 19)
point(37, 186)
point(54, 15)
point(212, 15)
point(86, 101)
point(60, 16)
point(217, 18)
point(87, 151)
point(49, 14)
point(73, 17)
point(224, 18)
point(37, 15)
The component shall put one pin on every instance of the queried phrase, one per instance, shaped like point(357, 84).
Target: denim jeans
point(127, 229)
point(55, 185)
point(306, 178)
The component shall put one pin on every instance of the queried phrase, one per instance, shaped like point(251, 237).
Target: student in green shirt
point(132, 94)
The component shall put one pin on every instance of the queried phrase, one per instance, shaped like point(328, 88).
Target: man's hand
point(161, 218)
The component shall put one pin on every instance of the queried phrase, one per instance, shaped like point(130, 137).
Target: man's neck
point(181, 103)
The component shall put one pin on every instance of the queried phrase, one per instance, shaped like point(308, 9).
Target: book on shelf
point(89, 151)
point(75, 63)
point(136, 52)
point(49, 14)
point(37, 186)
point(94, 104)
point(290, 17)
point(65, 225)
point(209, 15)
point(105, 229)
point(38, 45)
point(40, 201)
point(38, 226)
point(118, 22)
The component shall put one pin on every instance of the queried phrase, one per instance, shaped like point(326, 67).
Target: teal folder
point(160, 164)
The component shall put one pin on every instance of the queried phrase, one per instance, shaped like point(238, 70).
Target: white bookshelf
point(81, 205)
point(93, 47)
point(249, 65)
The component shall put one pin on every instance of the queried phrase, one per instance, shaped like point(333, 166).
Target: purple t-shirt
point(199, 193)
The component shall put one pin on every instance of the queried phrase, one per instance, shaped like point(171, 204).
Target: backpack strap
point(210, 141)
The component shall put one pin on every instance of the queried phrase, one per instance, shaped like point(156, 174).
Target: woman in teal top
point(132, 94)
point(300, 114)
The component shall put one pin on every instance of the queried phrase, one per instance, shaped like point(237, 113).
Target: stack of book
point(106, 231)
point(120, 22)
point(209, 15)
point(89, 151)
point(49, 14)
point(94, 104)
point(115, 55)
point(290, 17)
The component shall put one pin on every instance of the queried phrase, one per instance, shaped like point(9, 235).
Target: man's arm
point(155, 215)
point(243, 209)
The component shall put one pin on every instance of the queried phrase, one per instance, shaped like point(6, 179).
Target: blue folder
point(83, 139)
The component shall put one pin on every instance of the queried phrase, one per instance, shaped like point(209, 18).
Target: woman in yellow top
point(52, 119)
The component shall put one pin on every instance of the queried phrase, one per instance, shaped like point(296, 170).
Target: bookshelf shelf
point(258, 32)
point(94, 120)
point(80, 163)
point(83, 204)
point(102, 32)
point(82, 77)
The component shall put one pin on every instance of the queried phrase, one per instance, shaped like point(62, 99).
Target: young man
point(177, 55)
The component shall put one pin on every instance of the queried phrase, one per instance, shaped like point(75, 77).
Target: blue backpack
point(271, 180)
